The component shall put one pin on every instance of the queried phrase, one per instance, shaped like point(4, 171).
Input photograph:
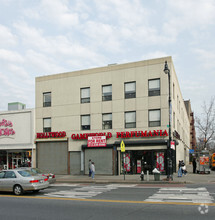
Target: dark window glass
point(85, 122)
point(107, 93)
point(85, 95)
point(130, 119)
point(130, 90)
point(47, 99)
point(154, 87)
point(107, 121)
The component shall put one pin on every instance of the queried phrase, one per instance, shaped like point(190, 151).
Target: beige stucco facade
point(66, 109)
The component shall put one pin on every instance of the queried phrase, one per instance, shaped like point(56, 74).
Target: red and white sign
point(138, 166)
point(172, 146)
point(97, 141)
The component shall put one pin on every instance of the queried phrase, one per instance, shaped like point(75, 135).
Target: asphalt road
point(65, 201)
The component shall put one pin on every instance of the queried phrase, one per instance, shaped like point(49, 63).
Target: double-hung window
point(85, 122)
point(130, 90)
point(154, 87)
point(130, 119)
point(46, 99)
point(47, 125)
point(107, 93)
point(154, 118)
point(85, 95)
point(107, 121)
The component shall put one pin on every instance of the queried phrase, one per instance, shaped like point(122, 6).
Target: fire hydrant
point(142, 176)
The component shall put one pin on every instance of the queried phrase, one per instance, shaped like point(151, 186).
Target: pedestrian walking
point(179, 168)
point(194, 165)
point(89, 166)
point(183, 168)
point(93, 170)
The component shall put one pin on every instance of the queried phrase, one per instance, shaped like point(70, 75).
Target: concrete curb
point(124, 182)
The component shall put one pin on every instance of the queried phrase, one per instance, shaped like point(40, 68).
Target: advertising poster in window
point(160, 161)
point(138, 166)
point(127, 162)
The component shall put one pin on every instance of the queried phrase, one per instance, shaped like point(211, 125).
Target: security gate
point(53, 157)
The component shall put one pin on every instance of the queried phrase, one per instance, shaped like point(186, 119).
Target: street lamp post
point(169, 153)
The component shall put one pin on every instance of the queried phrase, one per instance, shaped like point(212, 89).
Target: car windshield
point(36, 171)
point(26, 173)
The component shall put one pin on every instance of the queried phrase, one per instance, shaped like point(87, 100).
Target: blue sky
point(42, 37)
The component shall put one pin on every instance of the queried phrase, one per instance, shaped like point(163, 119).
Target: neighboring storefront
point(17, 146)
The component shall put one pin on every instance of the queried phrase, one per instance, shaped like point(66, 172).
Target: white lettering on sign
point(97, 141)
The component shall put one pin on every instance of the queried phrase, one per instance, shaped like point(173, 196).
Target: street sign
point(172, 146)
point(122, 145)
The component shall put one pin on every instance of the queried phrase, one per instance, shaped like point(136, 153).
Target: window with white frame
point(154, 87)
point(107, 93)
point(47, 125)
point(154, 118)
point(85, 95)
point(130, 119)
point(107, 121)
point(46, 99)
point(85, 122)
point(130, 90)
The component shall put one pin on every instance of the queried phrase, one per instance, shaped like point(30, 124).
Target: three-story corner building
point(86, 114)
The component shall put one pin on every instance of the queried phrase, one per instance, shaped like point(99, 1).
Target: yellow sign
point(122, 145)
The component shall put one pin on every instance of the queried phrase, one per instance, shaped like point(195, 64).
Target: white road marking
point(194, 195)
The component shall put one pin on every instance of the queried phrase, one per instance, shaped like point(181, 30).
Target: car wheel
point(17, 190)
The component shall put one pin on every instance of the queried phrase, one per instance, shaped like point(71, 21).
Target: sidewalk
point(190, 178)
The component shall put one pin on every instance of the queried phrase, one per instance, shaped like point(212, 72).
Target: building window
point(47, 125)
point(107, 93)
point(85, 95)
point(107, 121)
point(154, 87)
point(85, 122)
point(46, 99)
point(154, 118)
point(130, 90)
point(130, 119)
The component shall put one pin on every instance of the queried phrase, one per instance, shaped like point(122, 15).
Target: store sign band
point(127, 134)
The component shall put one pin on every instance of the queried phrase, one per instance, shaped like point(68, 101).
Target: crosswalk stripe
point(193, 195)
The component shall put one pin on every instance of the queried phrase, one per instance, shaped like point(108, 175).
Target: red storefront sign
point(44, 135)
point(127, 134)
point(5, 131)
point(97, 141)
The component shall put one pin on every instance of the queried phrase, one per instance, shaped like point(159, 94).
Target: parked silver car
point(50, 176)
point(19, 180)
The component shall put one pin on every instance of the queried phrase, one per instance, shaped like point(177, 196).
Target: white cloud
point(10, 56)
point(6, 37)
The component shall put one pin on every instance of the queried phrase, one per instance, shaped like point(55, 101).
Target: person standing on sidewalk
point(93, 170)
point(179, 169)
point(194, 165)
point(89, 166)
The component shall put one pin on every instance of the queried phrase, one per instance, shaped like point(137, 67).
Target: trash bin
point(156, 173)
point(157, 176)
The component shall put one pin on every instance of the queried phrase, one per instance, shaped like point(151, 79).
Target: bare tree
point(206, 124)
